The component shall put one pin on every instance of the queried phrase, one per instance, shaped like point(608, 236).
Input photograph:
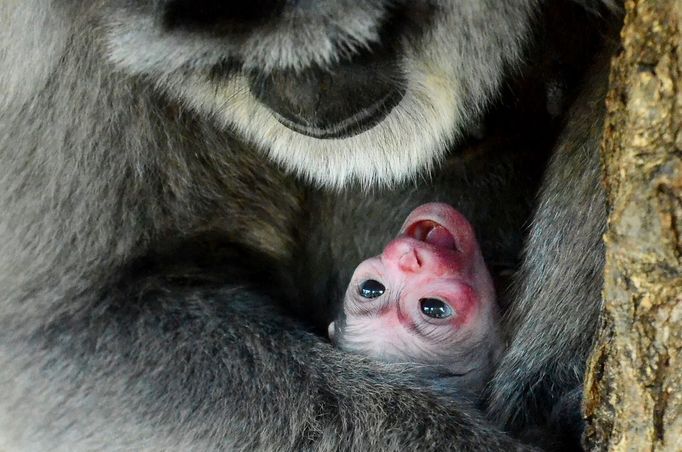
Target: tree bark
point(633, 397)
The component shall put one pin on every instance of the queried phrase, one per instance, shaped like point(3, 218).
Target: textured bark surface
point(633, 392)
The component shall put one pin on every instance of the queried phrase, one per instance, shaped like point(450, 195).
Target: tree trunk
point(633, 397)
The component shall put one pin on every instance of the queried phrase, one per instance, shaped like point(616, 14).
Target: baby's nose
point(410, 261)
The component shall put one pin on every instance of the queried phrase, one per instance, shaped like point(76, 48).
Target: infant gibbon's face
point(428, 298)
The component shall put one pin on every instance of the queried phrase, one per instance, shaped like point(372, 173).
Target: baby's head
point(427, 299)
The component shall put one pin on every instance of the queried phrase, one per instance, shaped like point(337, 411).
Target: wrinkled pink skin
point(436, 255)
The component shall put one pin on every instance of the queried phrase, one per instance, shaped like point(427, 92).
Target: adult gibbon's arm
point(210, 370)
point(558, 288)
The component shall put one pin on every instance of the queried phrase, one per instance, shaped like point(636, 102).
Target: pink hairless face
point(428, 298)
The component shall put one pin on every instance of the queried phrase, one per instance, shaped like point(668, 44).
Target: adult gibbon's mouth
point(358, 122)
point(336, 102)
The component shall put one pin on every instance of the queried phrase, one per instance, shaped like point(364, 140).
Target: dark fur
point(163, 283)
point(552, 325)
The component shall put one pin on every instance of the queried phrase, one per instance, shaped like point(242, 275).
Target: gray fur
point(450, 78)
point(304, 33)
point(556, 317)
point(139, 223)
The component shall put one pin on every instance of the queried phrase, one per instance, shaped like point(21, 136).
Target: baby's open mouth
point(431, 232)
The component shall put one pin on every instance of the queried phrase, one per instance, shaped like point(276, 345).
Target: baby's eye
point(371, 289)
point(435, 308)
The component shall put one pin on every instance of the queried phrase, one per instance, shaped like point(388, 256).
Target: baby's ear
point(331, 330)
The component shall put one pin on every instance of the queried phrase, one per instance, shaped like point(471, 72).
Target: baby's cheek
point(466, 305)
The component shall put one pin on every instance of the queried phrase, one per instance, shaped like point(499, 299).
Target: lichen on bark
point(633, 397)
